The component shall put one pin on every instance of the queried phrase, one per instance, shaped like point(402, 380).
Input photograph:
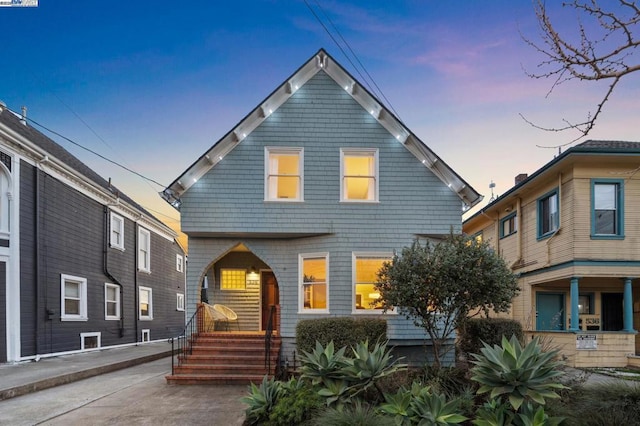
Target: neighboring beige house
point(571, 232)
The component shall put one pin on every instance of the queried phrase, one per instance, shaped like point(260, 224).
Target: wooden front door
point(270, 297)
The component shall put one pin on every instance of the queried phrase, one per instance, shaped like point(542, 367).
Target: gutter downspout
point(105, 266)
point(557, 231)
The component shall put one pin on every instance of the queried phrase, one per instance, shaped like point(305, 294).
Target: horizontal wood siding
point(28, 290)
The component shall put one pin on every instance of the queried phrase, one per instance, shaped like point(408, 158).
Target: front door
point(549, 311)
point(270, 297)
point(612, 305)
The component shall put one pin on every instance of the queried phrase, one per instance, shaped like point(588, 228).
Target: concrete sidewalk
point(31, 376)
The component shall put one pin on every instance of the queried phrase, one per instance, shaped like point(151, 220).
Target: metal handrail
point(267, 339)
point(184, 340)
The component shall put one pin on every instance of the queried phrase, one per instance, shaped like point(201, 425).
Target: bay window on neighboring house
point(359, 175)
point(144, 250)
point(314, 282)
point(365, 267)
point(548, 214)
point(284, 174)
point(74, 298)
point(607, 209)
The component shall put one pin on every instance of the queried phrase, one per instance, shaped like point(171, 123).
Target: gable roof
point(590, 147)
point(66, 163)
point(321, 61)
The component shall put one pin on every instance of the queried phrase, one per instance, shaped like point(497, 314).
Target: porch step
point(219, 358)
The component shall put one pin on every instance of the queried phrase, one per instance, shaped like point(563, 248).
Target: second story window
point(548, 214)
point(144, 250)
point(284, 177)
point(116, 239)
point(359, 175)
point(508, 225)
point(607, 200)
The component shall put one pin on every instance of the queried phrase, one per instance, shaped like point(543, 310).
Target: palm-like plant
point(262, 399)
point(522, 374)
point(324, 363)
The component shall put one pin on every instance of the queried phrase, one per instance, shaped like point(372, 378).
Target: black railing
point(182, 345)
point(267, 339)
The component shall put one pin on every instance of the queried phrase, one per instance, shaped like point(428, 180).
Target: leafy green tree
point(440, 285)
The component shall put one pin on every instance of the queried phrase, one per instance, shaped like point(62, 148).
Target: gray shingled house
point(298, 205)
point(82, 266)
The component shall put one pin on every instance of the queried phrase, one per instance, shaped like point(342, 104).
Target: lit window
point(359, 174)
point(508, 225)
point(607, 201)
point(314, 284)
point(180, 302)
point(145, 303)
point(284, 176)
point(548, 217)
point(117, 232)
point(365, 276)
point(111, 302)
point(179, 263)
point(74, 298)
point(233, 279)
point(144, 250)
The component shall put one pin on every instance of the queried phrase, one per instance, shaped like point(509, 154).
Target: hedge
point(487, 330)
point(344, 331)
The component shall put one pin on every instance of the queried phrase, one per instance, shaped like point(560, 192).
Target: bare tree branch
point(605, 48)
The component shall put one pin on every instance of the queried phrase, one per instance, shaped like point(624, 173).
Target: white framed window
point(145, 303)
point(313, 271)
point(359, 175)
point(144, 250)
point(111, 301)
point(90, 340)
point(283, 174)
point(73, 296)
point(116, 236)
point(5, 191)
point(179, 302)
point(364, 268)
point(145, 335)
point(233, 279)
point(179, 263)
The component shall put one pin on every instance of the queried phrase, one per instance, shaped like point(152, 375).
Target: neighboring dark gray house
point(82, 266)
point(301, 202)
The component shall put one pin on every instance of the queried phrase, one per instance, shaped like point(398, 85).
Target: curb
point(78, 375)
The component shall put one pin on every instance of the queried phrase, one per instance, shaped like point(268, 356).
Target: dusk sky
point(153, 84)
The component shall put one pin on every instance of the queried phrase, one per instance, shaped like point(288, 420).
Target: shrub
point(344, 332)
point(357, 414)
point(297, 404)
point(487, 330)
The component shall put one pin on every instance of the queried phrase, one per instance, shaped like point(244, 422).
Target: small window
point(607, 205)
point(359, 175)
point(144, 250)
point(508, 225)
point(74, 298)
point(111, 302)
point(314, 282)
point(548, 214)
point(284, 174)
point(117, 232)
point(365, 275)
point(145, 303)
point(233, 279)
point(180, 302)
point(90, 341)
point(145, 335)
point(179, 263)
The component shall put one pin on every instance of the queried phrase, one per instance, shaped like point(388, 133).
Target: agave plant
point(367, 366)
point(522, 374)
point(324, 363)
point(261, 400)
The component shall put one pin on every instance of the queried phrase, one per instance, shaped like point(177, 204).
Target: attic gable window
point(284, 174)
point(359, 175)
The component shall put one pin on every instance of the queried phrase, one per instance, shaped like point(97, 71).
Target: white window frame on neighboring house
point(305, 291)
point(179, 263)
point(81, 284)
point(108, 301)
point(372, 196)
point(116, 231)
point(385, 256)
point(144, 250)
point(271, 173)
point(83, 336)
point(149, 315)
point(179, 302)
point(145, 335)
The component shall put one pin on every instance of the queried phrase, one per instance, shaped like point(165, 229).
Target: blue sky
point(158, 82)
